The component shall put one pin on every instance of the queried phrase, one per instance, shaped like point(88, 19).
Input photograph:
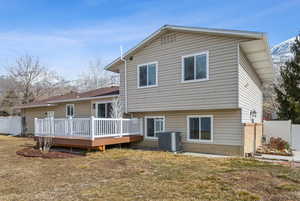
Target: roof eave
point(34, 106)
point(83, 99)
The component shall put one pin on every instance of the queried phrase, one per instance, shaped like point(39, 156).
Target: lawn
point(124, 174)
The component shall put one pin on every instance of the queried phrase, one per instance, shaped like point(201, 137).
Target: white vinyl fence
point(11, 125)
point(87, 127)
point(285, 130)
point(296, 136)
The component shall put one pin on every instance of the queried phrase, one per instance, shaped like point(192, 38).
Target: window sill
point(145, 87)
point(200, 141)
point(191, 81)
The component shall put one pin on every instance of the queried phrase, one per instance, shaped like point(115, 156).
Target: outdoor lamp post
point(252, 115)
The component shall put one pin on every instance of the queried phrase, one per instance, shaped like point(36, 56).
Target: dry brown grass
point(122, 174)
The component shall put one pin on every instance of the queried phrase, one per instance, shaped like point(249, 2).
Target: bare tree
point(117, 108)
point(45, 143)
point(27, 71)
point(33, 80)
point(97, 77)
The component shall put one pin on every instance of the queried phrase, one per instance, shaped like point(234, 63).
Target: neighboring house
point(95, 103)
point(201, 82)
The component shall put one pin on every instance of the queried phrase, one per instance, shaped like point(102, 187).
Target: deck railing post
point(35, 126)
point(141, 126)
point(121, 132)
point(71, 125)
point(92, 130)
point(52, 126)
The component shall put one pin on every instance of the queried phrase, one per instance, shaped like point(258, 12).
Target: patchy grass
point(124, 174)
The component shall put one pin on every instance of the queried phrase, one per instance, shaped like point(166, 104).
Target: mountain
point(282, 51)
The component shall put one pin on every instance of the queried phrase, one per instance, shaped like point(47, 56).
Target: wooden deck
point(97, 143)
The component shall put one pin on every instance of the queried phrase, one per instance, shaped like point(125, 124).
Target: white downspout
point(125, 79)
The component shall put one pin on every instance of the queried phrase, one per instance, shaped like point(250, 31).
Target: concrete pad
point(205, 155)
point(295, 157)
point(276, 157)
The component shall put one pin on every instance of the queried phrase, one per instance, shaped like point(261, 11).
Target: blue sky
point(67, 34)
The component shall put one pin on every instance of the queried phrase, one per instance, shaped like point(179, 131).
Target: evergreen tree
point(288, 90)
point(9, 100)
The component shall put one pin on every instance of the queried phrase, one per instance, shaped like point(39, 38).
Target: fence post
point(92, 130)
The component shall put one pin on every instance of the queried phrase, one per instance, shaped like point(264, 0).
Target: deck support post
point(102, 148)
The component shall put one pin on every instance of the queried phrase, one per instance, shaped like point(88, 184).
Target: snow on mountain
point(282, 52)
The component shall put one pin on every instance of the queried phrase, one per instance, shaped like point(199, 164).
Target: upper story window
point(147, 75)
point(195, 67)
point(70, 110)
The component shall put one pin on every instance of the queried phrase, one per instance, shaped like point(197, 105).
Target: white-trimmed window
point(154, 125)
point(70, 110)
point(103, 110)
point(200, 128)
point(195, 67)
point(147, 75)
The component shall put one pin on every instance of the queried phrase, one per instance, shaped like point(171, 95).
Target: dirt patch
point(31, 152)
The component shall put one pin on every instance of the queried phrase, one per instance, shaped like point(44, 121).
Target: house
point(204, 83)
point(77, 105)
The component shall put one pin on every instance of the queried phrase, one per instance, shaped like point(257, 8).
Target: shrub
point(279, 144)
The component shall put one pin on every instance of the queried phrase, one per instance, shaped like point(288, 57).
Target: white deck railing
point(87, 127)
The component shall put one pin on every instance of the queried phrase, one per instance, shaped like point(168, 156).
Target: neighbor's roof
point(74, 96)
point(262, 50)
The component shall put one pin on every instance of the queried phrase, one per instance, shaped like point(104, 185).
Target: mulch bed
point(32, 152)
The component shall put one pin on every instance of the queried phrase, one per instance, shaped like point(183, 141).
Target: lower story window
point(153, 126)
point(200, 128)
point(103, 110)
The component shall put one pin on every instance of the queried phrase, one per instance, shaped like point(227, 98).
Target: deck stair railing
point(87, 127)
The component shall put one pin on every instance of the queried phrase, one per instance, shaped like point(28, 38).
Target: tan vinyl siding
point(219, 92)
point(250, 93)
point(227, 126)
